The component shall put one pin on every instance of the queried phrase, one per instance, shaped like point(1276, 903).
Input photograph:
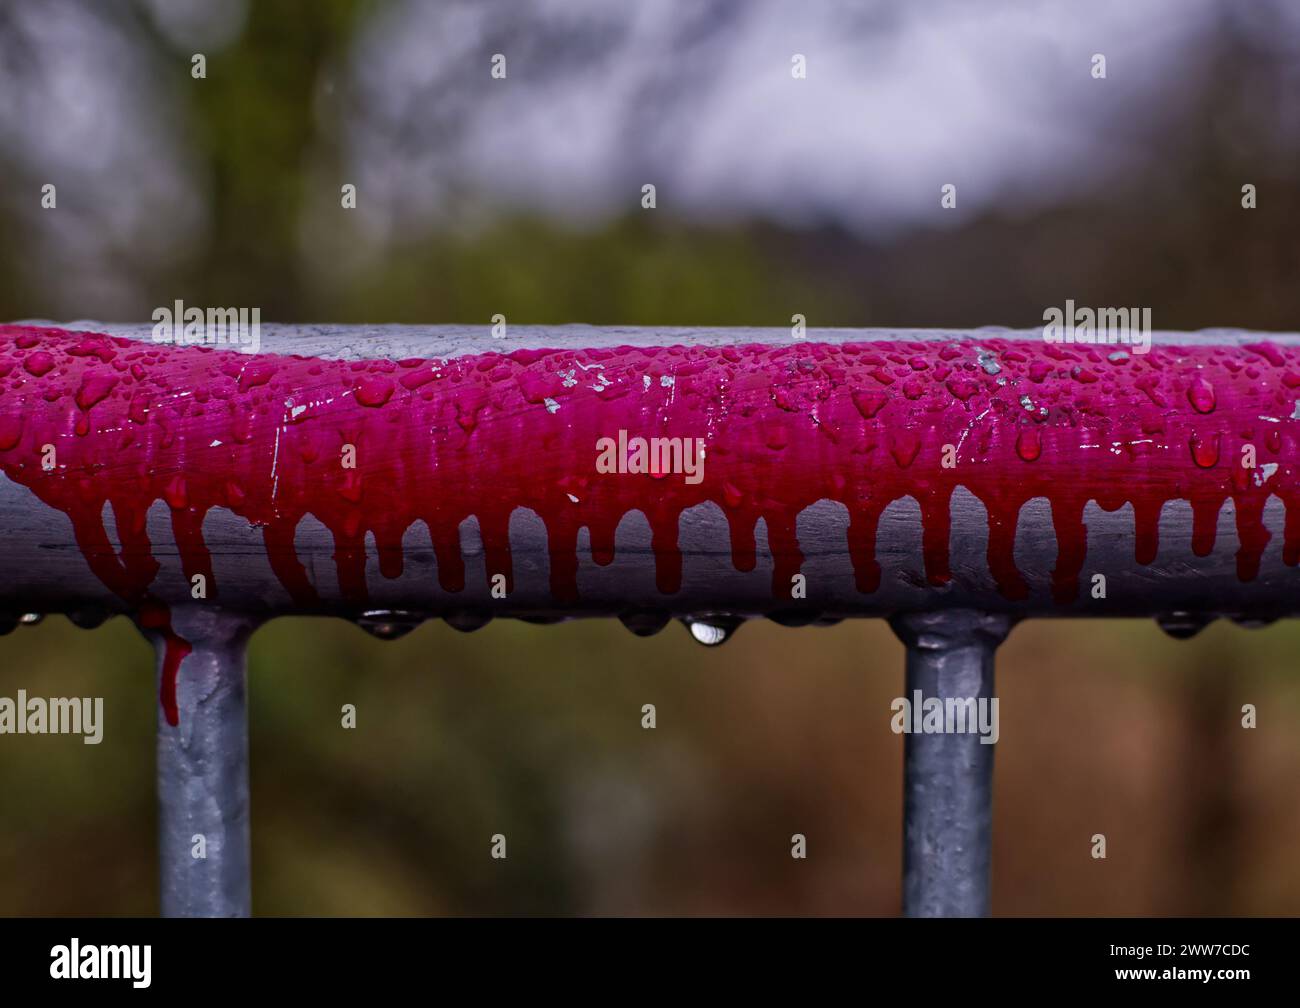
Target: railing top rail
point(438, 469)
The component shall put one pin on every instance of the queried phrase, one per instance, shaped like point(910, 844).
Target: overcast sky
point(601, 97)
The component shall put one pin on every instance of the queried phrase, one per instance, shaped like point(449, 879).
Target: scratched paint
point(438, 441)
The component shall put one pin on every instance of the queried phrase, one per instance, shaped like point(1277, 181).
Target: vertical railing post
point(203, 832)
point(948, 777)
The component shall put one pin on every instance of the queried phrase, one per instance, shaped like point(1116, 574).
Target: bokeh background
point(775, 196)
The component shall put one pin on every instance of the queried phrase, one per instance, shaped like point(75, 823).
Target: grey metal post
point(948, 777)
point(203, 766)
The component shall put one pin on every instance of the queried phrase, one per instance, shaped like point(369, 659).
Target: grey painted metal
point(203, 770)
point(42, 570)
point(948, 777)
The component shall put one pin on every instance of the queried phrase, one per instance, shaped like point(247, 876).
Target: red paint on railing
point(155, 617)
point(437, 441)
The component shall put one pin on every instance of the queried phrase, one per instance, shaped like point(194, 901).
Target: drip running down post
point(948, 776)
point(203, 831)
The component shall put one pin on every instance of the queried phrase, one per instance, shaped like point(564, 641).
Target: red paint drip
point(271, 438)
point(154, 615)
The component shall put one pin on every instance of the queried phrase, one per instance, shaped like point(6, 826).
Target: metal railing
point(953, 482)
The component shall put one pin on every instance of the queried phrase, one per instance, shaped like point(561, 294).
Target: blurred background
point(775, 196)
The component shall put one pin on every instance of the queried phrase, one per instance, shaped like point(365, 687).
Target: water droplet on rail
point(794, 617)
point(1183, 625)
point(88, 617)
point(1205, 450)
point(644, 622)
point(1201, 395)
point(712, 629)
point(1253, 622)
point(467, 621)
point(31, 618)
point(39, 363)
point(138, 409)
point(904, 446)
point(869, 403)
point(94, 389)
point(962, 387)
point(1029, 444)
point(388, 624)
point(373, 390)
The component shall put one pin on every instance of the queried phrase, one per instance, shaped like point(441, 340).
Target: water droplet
point(372, 390)
point(962, 387)
point(1269, 351)
point(1029, 444)
point(1253, 622)
point(1183, 625)
point(467, 621)
point(869, 402)
point(1201, 395)
point(88, 617)
point(644, 622)
point(388, 624)
point(94, 389)
point(905, 444)
point(795, 617)
point(784, 398)
point(39, 363)
point(256, 373)
point(712, 629)
point(1205, 451)
point(138, 410)
point(11, 431)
